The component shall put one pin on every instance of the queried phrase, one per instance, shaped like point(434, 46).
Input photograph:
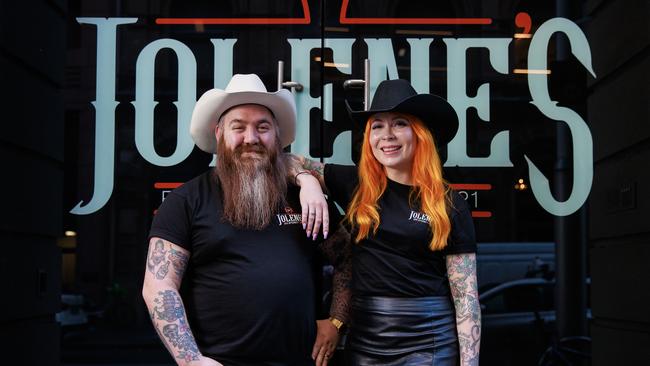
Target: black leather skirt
point(402, 331)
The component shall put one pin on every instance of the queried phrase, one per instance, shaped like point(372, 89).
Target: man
point(233, 237)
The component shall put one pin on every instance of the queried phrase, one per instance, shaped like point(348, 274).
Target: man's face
point(249, 130)
point(253, 177)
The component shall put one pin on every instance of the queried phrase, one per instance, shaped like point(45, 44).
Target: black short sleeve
point(462, 238)
point(172, 221)
point(341, 181)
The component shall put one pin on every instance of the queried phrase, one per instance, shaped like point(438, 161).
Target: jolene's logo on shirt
point(419, 217)
point(289, 217)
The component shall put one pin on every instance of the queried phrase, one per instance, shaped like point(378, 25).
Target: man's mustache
point(256, 148)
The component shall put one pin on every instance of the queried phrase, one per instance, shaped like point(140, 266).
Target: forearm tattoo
point(170, 322)
point(337, 249)
point(316, 168)
point(297, 163)
point(160, 258)
point(461, 269)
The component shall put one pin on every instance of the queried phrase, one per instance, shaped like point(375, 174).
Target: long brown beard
point(253, 189)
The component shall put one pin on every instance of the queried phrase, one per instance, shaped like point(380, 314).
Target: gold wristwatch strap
point(337, 323)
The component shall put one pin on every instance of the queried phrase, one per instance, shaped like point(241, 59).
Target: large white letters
point(222, 61)
point(458, 98)
point(342, 53)
point(420, 63)
point(382, 62)
point(105, 105)
point(300, 68)
point(582, 143)
point(383, 66)
point(145, 104)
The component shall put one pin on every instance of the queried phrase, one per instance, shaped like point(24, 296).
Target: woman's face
point(392, 141)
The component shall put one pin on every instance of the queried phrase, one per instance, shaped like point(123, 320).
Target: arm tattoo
point(337, 249)
point(178, 260)
point(170, 322)
point(316, 168)
point(461, 269)
point(297, 163)
point(156, 255)
point(161, 257)
point(162, 271)
point(166, 264)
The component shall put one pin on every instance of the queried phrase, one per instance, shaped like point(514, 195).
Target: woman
point(415, 245)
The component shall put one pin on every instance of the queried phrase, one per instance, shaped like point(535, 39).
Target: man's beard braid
point(252, 189)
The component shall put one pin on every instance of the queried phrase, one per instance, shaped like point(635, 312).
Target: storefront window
point(516, 73)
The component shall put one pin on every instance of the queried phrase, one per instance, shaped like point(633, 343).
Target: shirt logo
point(289, 217)
point(419, 217)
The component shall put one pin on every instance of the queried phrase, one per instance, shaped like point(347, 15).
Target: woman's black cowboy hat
point(399, 96)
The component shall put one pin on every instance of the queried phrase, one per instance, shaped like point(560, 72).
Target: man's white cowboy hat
point(242, 89)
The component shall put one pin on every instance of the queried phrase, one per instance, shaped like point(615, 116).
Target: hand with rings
point(326, 340)
point(314, 207)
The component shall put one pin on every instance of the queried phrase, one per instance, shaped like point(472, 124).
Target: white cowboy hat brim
point(215, 102)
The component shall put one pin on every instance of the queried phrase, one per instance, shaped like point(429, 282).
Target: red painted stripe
point(471, 187)
point(481, 214)
point(343, 19)
point(231, 21)
point(306, 19)
point(166, 185)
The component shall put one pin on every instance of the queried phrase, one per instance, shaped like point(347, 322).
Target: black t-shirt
point(249, 295)
point(397, 261)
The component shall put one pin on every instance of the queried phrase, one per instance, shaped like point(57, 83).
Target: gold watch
point(336, 323)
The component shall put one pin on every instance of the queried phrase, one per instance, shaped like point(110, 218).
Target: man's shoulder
point(188, 197)
point(195, 185)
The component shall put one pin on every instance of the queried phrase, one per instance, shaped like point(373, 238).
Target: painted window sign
point(382, 56)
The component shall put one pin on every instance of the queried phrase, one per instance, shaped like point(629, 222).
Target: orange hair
point(429, 188)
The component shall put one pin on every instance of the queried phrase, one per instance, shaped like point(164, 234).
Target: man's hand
point(327, 338)
point(314, 206)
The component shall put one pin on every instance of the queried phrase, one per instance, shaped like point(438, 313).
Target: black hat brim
point(434, 111)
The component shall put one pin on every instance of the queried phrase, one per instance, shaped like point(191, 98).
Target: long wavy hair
point(429, 190)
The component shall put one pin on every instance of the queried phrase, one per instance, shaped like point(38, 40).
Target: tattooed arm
point(461, 269)
point(312, 201)
point(338, 252)
point(166, 263)
point(298, 163)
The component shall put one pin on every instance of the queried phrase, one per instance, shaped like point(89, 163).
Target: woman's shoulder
point(457, 201)
point(341, 174)
point(341, 181)
point(350, 170)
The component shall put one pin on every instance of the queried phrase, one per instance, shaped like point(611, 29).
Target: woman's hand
point(314, 206)
point(327, 338)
